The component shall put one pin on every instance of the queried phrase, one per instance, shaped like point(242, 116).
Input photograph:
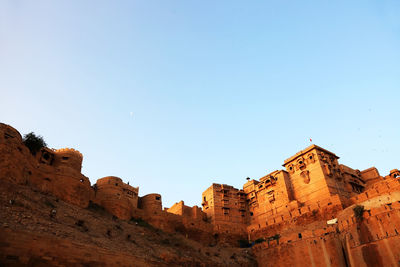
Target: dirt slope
point(40, 230)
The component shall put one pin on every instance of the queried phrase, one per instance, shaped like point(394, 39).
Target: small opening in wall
point(300, 162)
point(251, 213)
point(158, 198)
point(300, 236)
point(310, 157)
point(116, 184)
point(81, 180)
point(204, 198)
point(290, 168)
point(65, 158)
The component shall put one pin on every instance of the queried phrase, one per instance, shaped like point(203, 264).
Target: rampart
point(191, 212)
point(306, 211)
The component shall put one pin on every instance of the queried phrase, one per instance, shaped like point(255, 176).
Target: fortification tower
point(10, 134)
point(313, 174)
point(151, 203)
point(268, 196)
point(117, 197)
point(225, 205)
point(69, 158)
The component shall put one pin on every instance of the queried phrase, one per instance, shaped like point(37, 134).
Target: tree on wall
point(34, 142)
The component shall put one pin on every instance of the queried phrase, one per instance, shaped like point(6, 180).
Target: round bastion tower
point(68, 157)
point(9, 133)
point(151, 203)
point(117, 197)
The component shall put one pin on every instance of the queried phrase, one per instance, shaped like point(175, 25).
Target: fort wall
point(303, 212)
point(191, 212)
point(19, 166)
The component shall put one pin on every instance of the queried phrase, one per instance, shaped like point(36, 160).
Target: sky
point(172, 96)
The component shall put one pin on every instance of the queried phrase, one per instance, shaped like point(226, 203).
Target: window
point(158, 198)
point(204, 199)
point(65, 158)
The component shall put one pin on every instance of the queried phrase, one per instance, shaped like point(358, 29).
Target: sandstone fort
point(314, 211)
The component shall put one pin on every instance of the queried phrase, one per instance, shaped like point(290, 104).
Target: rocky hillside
point(38, 229)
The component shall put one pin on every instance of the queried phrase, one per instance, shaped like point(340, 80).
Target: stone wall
point(63, 180)
point(304, 213)
point(191, 212)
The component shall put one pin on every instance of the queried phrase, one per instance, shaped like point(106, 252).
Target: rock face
point(315, 212)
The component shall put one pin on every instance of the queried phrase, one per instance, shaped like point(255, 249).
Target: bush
point(33, 142)
point(358, 212)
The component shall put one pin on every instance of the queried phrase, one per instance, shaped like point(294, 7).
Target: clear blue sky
point(175, 95)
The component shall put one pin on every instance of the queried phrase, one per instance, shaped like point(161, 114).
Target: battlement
point(194, 212)
point(109, 181)
point(306, 150)
point(69, 151)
